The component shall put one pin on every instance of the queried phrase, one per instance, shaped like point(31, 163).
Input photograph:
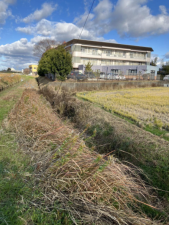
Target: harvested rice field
point(145, 106)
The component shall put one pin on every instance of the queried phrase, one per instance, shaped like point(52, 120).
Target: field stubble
point(145, 106)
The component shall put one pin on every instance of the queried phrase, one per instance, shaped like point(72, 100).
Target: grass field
point(145, 106)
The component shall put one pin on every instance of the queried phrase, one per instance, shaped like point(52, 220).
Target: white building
point(111, 57)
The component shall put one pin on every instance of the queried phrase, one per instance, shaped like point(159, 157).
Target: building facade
point(33, 69)
point(111, 57)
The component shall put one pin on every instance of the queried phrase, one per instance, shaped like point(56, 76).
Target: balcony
point(91, 53)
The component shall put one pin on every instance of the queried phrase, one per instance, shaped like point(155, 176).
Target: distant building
point(26, 71)
point(111, 57)
point(33, 69)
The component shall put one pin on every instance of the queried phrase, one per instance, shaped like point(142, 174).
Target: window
point(82, 49)
point(132, 72)
point(94, 51)
point(148, 55)
point(114, 71)
point(108, 53)
point(131, 55)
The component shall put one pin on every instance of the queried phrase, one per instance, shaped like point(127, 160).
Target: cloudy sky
point(25, 22)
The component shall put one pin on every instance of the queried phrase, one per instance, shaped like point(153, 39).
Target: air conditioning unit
point(166, 85)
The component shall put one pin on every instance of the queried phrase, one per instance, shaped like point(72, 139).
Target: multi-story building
point(33, 69)
point(111, 57)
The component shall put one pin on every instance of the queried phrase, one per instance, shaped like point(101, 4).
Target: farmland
point(145, 106)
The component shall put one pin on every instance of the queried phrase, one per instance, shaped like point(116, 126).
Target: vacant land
point(146, 106)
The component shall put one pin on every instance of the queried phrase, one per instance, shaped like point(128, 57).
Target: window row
point(112, 53)
point(109, 62)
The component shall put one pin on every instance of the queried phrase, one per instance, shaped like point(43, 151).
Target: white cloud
point(17, 54)
point(128, 17)
point(44, 27)
point(38, 38)
point(26, 30)
point(46, 10)
point(19, 48)
point(4, 11)
point(60, 31)
point(163, 9)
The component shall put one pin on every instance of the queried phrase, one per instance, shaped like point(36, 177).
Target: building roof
point(108, 44)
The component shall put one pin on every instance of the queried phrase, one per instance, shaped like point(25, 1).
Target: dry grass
point(8, 80)
point(131, 143)
point(94, 188)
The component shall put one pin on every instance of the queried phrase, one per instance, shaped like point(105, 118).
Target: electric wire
point(86, 19)
point(80, 35)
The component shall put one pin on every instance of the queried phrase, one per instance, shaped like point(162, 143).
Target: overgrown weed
point(113, 133)
point(99, 187)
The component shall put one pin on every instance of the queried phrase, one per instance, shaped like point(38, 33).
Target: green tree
point(88, 67)
point(9, 69)
point(57, 61)
point(166, 68)
point(154, 62)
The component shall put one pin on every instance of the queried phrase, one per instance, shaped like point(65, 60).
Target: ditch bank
point(101, 85)
point(7, 82)
point(93, 188)
point(111, 134)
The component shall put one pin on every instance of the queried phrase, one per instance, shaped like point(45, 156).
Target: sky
point(135, 22)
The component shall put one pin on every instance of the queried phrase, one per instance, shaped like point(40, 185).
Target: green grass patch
point(20, 198)
point(8, 99)
point(156, 131)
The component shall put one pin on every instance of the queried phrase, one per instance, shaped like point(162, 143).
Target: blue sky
point(25, 22)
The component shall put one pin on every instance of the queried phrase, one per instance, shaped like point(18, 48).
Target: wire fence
point(133, 76)
point(100, 76)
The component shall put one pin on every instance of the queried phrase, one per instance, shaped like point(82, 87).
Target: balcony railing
point(91, 53)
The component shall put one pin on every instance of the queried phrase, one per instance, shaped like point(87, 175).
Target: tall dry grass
point(8, 80)
point(94, 188)
point(131, 143)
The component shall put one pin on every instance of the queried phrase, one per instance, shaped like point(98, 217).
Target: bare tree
point(154, 62)
point(42, 46)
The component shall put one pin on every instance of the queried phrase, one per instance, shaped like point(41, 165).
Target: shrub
point(56, 61)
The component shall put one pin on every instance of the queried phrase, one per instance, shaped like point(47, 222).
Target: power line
point(87, 18)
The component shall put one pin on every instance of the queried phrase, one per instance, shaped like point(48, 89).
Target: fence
point(110, 76)
point(118, 76)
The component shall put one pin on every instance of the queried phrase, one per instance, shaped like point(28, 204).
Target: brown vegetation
point(130, 142)
point(8, 80)
point(94, 188)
